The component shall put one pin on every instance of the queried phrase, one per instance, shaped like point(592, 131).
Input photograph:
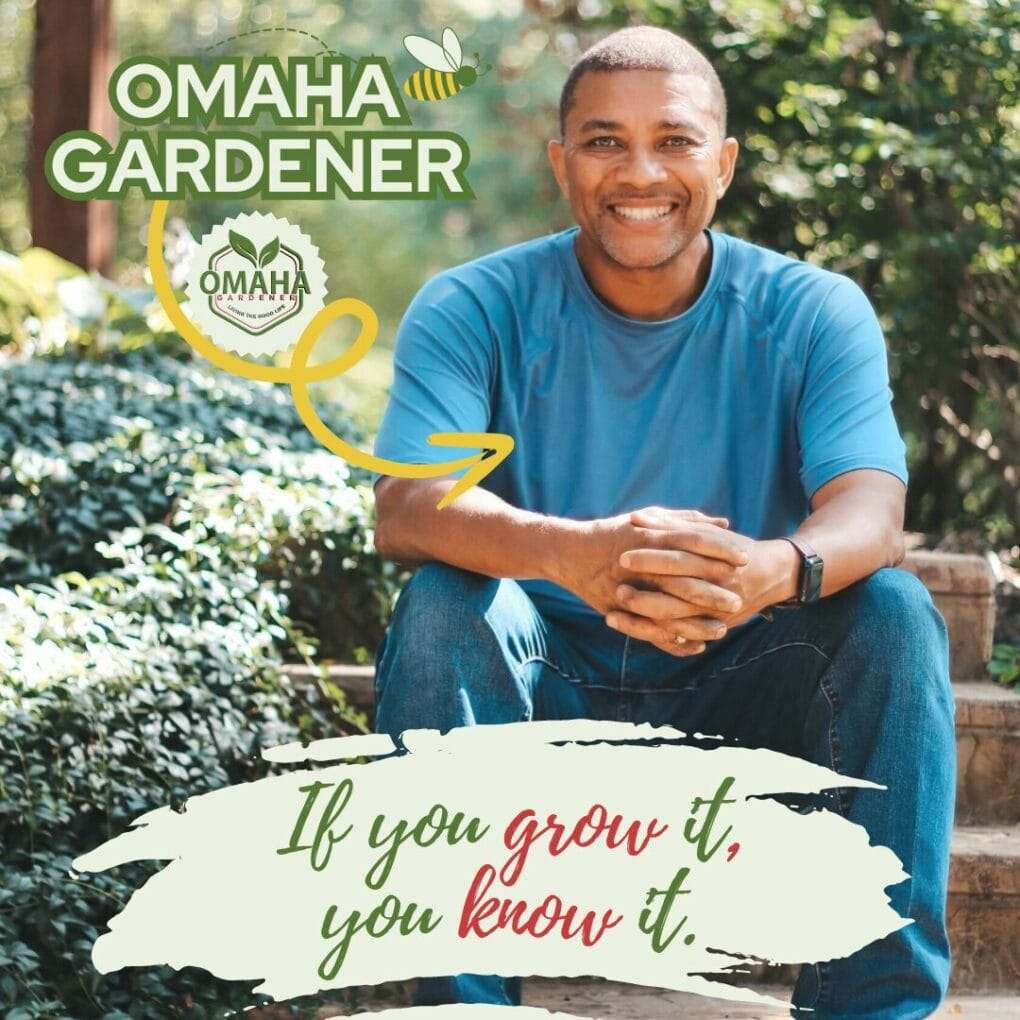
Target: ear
point(558, 161)
point(727, 164)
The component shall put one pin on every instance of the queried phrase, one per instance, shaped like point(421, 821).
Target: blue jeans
point(858, 682)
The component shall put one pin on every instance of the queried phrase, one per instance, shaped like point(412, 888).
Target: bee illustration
point(445, 73)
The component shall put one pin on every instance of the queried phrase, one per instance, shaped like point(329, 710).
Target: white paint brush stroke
point(229, 903)
point(465, 1011)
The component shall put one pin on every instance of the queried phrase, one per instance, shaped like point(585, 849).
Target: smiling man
point(703, 433)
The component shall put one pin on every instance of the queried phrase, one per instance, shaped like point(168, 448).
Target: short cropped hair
point(645, 49)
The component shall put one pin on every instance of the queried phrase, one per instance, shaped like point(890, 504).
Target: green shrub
point(48, 305)
point(1004, 666)
point(159, 522)
point(91, 447)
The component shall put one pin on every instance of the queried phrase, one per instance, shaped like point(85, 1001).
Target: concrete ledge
point(959, 573)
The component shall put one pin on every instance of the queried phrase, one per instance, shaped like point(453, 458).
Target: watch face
point(812, 579)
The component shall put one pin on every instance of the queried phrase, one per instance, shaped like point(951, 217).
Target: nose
point(642, 168)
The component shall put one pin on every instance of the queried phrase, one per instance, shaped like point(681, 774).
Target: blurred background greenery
point(170, 535)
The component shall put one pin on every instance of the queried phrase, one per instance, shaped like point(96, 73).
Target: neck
point(657, 293)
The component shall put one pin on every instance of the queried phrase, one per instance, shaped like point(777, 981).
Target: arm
point(478, 531)
point(856, 526)
point(482, 533)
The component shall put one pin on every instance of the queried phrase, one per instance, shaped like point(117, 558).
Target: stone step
point(984, 908)
point(987, 741)
point(987, 754)
point(963, 588)
point(611, 1000)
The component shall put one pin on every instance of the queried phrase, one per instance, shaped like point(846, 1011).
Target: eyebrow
point(663, 125)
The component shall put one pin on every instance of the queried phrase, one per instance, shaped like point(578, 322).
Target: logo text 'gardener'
point(200, 149)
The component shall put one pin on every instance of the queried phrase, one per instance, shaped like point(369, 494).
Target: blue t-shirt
point(772, 383)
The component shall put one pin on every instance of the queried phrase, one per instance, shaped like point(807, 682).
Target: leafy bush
point(177, 510)
point(48, 305)
point(1004, 666)
point(92, 447)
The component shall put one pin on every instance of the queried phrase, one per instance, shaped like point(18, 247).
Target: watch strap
point(806, 552)
point(808, 559)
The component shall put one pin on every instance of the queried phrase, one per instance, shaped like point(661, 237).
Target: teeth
point(642, 212)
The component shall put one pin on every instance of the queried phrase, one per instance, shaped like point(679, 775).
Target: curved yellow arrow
point(495, 447)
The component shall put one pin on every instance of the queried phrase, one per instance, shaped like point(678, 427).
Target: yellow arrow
point(495, 447)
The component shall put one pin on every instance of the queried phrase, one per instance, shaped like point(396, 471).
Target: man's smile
point(633, 211)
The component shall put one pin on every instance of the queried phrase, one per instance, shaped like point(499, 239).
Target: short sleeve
point(442, 373)
point(844, 417)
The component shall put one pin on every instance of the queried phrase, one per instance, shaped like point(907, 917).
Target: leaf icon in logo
point(269, 253)
point(243, 247)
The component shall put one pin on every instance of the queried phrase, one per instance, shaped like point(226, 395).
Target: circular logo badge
point(255, 282)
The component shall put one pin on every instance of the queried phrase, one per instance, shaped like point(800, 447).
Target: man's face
point(642, 163)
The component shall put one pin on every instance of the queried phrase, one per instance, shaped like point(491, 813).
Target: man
point(703, 431)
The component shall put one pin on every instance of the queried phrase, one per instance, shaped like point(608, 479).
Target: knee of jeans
point(439, 603)
point(896, 620)
point(892, 601)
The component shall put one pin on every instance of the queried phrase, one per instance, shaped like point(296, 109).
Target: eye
point(602, 142)
point(676, 142)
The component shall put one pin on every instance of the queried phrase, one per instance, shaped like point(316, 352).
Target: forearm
point(856, 531)
point(478, 531)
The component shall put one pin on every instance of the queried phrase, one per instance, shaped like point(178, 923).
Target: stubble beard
point(626, 257)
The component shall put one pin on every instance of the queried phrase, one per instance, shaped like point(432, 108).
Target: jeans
point(857, 682)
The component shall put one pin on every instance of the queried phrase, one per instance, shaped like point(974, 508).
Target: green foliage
point(95, 446)
point(47, 304)
point(1004, 666)
point(118, 705)
point(99, 446)
point(167, 521)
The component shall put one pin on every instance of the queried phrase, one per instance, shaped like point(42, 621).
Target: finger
point(683, 589)
point(681, 651)
point(678, 564)
point(703, 539)
point(698, 629)
point(655, 605)
point(690, 597)
point(695, 630)
point(637, 627)
point(660, 517)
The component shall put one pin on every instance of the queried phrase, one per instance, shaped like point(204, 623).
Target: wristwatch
point(809, 580)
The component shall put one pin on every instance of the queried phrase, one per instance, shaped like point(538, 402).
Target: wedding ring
point(680, 640)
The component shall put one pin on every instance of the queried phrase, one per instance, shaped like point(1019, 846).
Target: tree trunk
point(73, 60)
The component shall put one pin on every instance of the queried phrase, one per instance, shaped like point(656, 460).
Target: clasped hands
point(676, 578)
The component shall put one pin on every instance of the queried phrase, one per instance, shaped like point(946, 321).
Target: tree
point(73, 59)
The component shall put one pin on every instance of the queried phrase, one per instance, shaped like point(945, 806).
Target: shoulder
point(784, 295)
point(499, 282)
